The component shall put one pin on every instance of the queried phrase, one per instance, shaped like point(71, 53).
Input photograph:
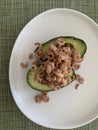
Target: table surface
point(14, 14)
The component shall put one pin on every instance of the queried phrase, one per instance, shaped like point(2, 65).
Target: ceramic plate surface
point(68, 108)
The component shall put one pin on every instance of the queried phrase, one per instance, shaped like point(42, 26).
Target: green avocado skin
point(77, 43)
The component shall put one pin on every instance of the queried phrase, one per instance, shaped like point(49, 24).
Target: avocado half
point(77, 43)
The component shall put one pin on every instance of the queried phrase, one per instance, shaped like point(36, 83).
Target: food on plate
point(55, 65)
point(42, 97)
point(79, 79)
point(30, 56)
point(24, 65)
point(76, 85)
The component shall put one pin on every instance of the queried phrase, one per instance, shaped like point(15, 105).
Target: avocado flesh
point(77, 43)
point(42, 87)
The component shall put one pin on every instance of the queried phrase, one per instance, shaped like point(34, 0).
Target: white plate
point(68, 108)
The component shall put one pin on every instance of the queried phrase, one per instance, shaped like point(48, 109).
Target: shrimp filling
point(56, 63)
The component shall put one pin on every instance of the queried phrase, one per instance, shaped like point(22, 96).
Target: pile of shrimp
point(54, 66)
point(56, 63)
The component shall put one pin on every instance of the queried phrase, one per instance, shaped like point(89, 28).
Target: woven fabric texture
point(14, 14)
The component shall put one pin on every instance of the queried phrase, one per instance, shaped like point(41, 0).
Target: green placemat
point(14, 14)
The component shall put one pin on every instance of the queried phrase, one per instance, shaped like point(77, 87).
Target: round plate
point(67, 108)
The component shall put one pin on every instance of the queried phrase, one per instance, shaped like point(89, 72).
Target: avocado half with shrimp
point(76, 43)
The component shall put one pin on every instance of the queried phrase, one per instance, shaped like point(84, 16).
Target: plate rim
point(10, 61)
